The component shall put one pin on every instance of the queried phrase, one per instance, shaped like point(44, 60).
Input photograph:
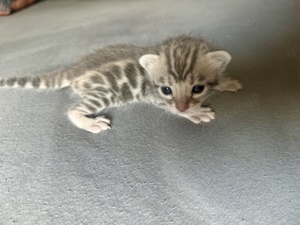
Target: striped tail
point(50, 81)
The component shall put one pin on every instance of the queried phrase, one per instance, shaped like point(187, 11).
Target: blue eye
point(198, 89)
point(166, 90)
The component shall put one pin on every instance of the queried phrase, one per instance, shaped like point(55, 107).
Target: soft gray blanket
point(152, 168)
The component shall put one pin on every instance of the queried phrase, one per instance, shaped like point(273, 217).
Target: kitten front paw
point(229, 85)
point(93, 125)
point(98, 124)
point(203, 115)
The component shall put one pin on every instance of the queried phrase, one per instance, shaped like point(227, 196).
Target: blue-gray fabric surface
point(153, 168)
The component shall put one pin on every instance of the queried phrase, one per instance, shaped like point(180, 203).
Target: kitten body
point(176, 74)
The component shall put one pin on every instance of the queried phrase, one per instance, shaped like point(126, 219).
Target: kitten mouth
point(187, 111)
point(182, 113)
point(177, 112)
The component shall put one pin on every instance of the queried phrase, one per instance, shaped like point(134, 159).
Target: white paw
point(229, 85)
point(93, 125)
point(234, 86)
point(96, 125)
point(203, 115)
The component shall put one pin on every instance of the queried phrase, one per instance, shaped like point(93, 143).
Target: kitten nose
point(182, 106)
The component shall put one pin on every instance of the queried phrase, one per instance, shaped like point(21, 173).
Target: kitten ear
point(147, 61)
point(219, 58)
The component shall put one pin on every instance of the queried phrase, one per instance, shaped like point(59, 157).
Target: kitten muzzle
point(182, 106)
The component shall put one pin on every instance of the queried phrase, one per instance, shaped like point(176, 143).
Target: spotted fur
point(176, 74)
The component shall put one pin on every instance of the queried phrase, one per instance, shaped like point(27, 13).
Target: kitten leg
point(203, 114)
point(79, 112)
point(227, 84)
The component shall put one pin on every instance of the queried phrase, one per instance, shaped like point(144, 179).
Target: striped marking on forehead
point(166, 79)
point(195, 79)
point(181, 60)
point(169, 61)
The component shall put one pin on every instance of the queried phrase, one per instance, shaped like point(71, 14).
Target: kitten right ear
point(220, 59)
point(148, 61)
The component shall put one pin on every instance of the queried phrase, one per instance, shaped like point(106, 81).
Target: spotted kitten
point(177, 75)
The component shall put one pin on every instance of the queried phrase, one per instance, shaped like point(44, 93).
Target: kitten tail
point(49, 81)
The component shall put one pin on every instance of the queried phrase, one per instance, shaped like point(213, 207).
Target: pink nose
point(182, 106)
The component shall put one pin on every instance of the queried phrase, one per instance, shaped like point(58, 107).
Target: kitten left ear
point(219, 58)
point(148, 61)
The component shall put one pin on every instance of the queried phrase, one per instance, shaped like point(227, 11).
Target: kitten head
point(184, 74)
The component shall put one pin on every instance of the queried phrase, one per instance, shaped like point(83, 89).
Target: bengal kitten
point(176, 74)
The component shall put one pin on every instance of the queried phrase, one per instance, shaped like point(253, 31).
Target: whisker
point(163, 122)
